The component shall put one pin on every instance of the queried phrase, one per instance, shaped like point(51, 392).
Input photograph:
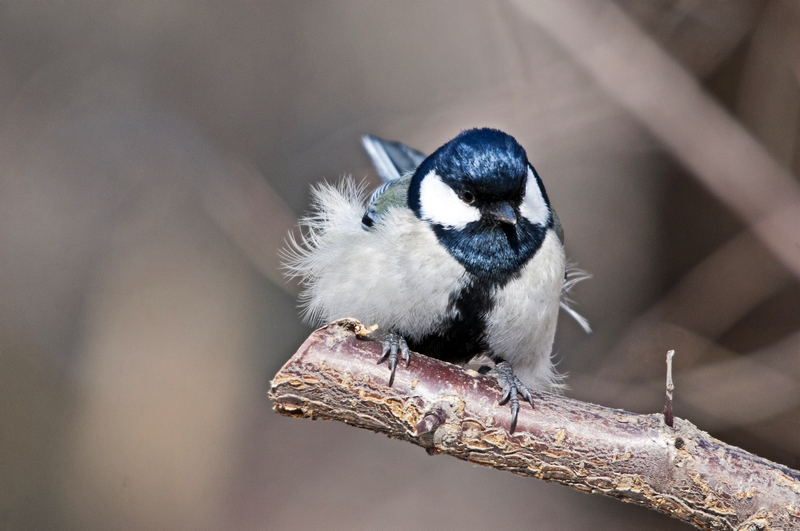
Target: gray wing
point(390, 194)
point(391, 159)
point(395, 162)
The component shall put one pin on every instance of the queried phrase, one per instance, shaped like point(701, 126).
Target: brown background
point(153, 155)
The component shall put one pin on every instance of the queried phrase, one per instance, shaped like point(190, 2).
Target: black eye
point(468, 197)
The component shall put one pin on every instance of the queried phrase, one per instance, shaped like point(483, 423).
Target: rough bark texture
point(681, 471)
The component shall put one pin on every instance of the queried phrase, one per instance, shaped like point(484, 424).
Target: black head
point(484, 201)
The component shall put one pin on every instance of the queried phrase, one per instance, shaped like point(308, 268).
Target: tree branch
point(681, 471)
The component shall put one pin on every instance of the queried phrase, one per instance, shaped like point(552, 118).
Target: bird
point(458, 255)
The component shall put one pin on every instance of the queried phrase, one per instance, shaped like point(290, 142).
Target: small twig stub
point(668, 418)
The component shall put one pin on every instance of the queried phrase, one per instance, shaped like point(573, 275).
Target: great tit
point(457, 255)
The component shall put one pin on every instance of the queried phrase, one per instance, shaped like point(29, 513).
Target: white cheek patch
point(440, 205)
point(533, 206)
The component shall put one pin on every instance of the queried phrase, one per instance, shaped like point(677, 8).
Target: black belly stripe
point(492, 258)
point(463, 337)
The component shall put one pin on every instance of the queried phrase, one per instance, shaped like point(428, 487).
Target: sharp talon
point(384, 352)
point(393, 368)
point(514, 411)
point(404, 351)
point(506, 396)
point(527, 396)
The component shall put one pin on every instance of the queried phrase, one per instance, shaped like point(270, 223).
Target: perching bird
point(457, 255)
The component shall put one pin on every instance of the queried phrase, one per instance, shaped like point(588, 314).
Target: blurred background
point(153, 156)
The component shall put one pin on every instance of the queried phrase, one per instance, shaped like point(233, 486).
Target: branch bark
point(681, 471)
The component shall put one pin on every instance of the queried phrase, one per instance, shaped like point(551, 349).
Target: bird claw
point(512, 387)
point(392, 343)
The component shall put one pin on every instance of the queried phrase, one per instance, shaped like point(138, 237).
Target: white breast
point(522, 325)
point(395, 274)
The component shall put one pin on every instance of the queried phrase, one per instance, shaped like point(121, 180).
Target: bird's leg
point(392, 343)
point(512, 387)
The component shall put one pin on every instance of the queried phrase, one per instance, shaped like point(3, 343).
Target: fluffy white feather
point(395, 274)
point(522, 325)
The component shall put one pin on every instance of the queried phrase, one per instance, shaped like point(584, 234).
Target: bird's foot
point(394, 346)
point(512, 387)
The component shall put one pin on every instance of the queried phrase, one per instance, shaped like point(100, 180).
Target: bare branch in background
point(768, 98)
point(762, 384)
point(702, 302)
point(701, 35)
point(680, 471)
point(672, 105)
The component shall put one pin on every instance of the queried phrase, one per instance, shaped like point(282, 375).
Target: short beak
point(502, 213)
